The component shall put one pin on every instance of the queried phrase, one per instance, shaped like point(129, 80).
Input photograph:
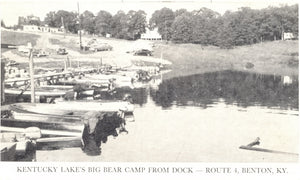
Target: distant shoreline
point(276, 57)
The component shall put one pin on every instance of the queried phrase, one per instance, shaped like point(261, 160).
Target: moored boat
point(38, 92)
point(75, 107)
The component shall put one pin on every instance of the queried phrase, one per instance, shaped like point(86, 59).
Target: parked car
point(143, 52)
point(100, 47)
point(61, 51)
point(39, 53)
point(24, 49)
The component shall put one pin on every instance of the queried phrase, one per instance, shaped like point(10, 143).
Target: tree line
point(204, 26)
point(121, 25)
point(243, 27)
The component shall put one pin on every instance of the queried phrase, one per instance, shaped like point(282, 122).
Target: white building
point(31, 28)
point(34, 28)
point(288, 36)
point(151, 35)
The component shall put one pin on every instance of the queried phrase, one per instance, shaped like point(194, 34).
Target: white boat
point(38, 92)
point(77, 107)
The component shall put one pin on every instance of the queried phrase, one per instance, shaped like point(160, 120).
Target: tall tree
point(2, 23)
point(50, 19)
point(182, 28)
point(70, 20)
point(103, 22)
point(163, 20)
point(119, 25)
point(179, 12)
point(202, 20)
point(136, 23)
point(88, 22)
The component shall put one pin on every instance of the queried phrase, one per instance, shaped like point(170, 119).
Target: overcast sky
point(10, 10)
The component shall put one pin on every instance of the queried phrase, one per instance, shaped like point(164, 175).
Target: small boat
point(117, 80)
point(21, 114)
point(84, 81)
point(49, 124)
point(38, 92)
point(58, 87)
point(88, 92)
point(77, 107)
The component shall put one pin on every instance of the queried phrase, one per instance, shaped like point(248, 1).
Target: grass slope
point(279, 57)
point(18, 38)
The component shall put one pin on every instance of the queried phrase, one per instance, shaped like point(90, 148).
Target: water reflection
point(240, 88)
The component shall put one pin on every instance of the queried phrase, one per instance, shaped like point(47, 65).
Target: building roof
point(151, 34)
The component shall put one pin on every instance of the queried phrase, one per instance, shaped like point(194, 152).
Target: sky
point(10, 10)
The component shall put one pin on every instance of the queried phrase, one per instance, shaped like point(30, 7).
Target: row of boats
point(64, 99)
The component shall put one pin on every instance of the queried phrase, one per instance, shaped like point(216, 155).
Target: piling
point(2, 82)
point(31, 69)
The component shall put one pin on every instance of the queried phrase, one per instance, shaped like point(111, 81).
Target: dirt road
point(116, 57)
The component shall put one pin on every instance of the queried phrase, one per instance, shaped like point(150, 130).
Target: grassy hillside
point(279, 57)
point(18, 38)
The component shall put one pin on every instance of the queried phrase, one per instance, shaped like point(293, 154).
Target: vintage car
point(61, 51)
point(39, 53)
point(143, 52)
point(100, 47)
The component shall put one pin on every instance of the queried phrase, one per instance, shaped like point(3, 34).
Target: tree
point(88, 22)
point(136, 23)
point(50, 19)
point(182, 28)
point(179, 12)
point(33, 20)
point(163, 20)
point(119, 25)
point(226, 31)
point(203, 28)
point(103, 22)
point(2, 23)
point(70, 20)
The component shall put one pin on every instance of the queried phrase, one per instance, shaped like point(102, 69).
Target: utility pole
point(70, 62)
point(63, 26)
point(2, 82)
point(31, 70)
point(65, 65)
point(80, 43)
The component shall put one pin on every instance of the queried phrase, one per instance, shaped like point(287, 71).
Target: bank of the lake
point(277, 57)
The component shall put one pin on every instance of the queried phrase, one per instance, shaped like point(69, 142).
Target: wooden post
point(70, 61)
point(31, 70)
point(80, 42)
point(2, 82)
point(65, 63)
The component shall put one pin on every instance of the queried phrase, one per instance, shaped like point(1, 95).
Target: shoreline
point(273, 58)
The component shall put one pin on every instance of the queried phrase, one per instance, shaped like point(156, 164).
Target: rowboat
point(78, 107)
point(20, 113)
point(118, 80)
point(38, 92)
point(58, 87)
point(99, 80)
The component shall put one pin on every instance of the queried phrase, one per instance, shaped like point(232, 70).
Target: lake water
point(206, 118)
